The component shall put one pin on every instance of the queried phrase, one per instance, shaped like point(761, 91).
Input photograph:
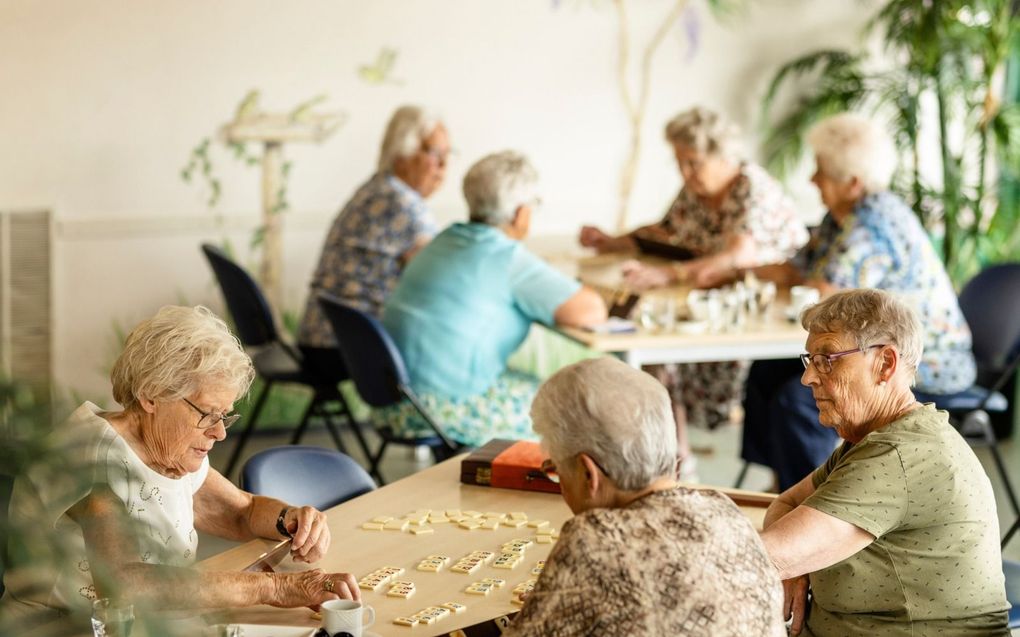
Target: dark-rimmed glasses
point(823, 362)
point(226, 419)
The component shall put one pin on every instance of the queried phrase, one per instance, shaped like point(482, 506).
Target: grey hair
point(408, 126)
point(496, 185)
point(871, 317)
point(852, 145)
point(705, 132)
point(175, 353)
point(619, 415)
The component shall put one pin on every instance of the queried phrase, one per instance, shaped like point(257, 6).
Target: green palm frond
point(834, 66)
point(1005, 127)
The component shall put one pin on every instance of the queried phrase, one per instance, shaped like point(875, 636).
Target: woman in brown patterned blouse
point(732, 215)
point(642, 556)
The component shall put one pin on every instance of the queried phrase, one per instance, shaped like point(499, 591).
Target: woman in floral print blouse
point(868, 239)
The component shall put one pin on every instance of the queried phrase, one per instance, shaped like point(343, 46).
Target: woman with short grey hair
point(116, 510)
point(869, 238)
point(896, 533)
point(468, 300)
point(729, 215)
point(378, 231)
point(642, 556)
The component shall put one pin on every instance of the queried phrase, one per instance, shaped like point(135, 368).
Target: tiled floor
point(717, 453)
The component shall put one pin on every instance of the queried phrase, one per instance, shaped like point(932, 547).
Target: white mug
point(346, 616)
point(802, 296)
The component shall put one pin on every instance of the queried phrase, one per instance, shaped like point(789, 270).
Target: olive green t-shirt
point(935, 566)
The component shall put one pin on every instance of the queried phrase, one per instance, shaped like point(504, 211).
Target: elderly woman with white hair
point(378, 231)
point(466, 303)
point(896, 533)
point(868, 239)
point(119, 504)
point(642, 556)
point(731, 215)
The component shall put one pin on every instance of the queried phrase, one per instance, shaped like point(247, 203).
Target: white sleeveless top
point(162, 509)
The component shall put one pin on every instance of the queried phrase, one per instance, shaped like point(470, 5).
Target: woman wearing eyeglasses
point(869, 238)
point(896, 533)
point(119, 501)
point(731, 215)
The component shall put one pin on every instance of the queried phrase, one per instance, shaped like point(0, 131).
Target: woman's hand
point(592, 237)
point(310, 531)
point(311, 588)
point(643, 277)
point(795, 602)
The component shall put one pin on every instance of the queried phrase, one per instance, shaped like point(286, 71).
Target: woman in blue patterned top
point(869, 238)
point(383, 225)
point(466, 303)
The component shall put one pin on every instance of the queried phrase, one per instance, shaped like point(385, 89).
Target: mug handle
point(371, 616)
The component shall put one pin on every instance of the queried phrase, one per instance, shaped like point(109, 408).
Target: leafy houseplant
point(951, 80)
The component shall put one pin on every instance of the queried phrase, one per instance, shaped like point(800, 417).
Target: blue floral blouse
point(360, 261)
point(883, 245)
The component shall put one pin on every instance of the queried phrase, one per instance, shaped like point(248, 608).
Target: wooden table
point(770, 337)
point(359, 552)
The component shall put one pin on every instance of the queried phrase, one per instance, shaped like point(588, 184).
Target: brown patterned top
point(677, 562)
point(754, 205)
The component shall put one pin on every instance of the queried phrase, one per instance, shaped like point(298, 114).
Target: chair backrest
point(991, 303)
point(301, 476)
point(6, 486)
point(253, 318)
point(1011, 570)
point(371, 356)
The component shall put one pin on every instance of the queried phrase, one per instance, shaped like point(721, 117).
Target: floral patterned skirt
point(708, 391)
point(501, 412)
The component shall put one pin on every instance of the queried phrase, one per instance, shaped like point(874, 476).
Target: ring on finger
point(328, 586)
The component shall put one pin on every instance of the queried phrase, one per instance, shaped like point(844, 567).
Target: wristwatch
point(280, 525)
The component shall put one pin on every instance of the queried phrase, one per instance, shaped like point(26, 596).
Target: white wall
point(103, 100)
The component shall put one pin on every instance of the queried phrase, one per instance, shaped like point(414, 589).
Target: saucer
point(691, 327)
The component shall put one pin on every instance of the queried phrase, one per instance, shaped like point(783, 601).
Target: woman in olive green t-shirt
point(896, 534)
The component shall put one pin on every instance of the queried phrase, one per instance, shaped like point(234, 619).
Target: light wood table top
point(769, 337)
point(438, 488)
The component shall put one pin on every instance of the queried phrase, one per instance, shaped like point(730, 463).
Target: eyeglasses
point(226, 419)
point(441, 155)
point(549, 469)
point(823, 362)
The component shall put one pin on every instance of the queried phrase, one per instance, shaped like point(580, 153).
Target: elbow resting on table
point(584, 309)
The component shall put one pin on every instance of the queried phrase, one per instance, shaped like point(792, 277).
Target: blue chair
point(377, 369)
point(1011, 570)
point(276, 361)
point(305, 476)
point(991, 304)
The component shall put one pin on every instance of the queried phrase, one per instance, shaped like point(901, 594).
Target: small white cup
point(802, 296)
point(346, 616)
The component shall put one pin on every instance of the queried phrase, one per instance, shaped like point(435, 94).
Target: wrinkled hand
point(795, 602)
point(311, 533)
point(311, 588)
point(592, 237)
point(643, 277)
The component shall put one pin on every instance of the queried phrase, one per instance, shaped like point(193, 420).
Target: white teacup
point(802, 296)
point(346, 616)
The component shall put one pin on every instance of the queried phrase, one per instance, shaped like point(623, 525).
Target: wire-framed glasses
point(210, 419)
point(823, 362)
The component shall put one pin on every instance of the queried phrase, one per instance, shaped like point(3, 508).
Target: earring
point(881, 384)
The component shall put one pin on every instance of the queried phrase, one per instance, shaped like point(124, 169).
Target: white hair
point(620, 416)
point(704, 131)
point(175, 353)
point(497, 185)
point(851, 145)
point(870, 317)
point(408, 126)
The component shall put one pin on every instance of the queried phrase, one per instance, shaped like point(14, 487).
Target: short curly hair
point(705, 132)
point(175, 353)
point(852, 145)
